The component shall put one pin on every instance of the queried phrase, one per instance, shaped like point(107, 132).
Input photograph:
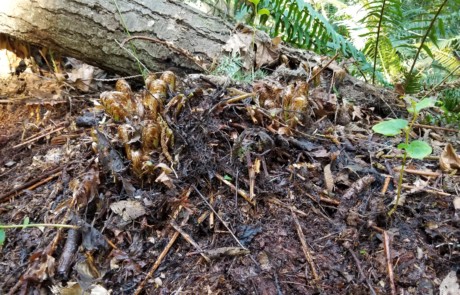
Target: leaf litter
point(274, 187)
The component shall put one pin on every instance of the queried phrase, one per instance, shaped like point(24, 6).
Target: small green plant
point(232, 67)
point(26, 223)
point(258, 13)
point(417, 149)
point(450, 105)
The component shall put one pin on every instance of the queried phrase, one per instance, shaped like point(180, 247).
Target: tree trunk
point(92, 30)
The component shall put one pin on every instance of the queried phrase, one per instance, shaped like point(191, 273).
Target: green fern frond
point(411, 75)
point(381, 16)
point(386, 56)
point(302, 26)
point(412, 82)
point(447, 60)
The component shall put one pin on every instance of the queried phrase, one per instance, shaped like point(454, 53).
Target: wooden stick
point(218, 216)
point(292, 208)
point(157, 263)
point(436, 127)
point(44, 181)
point(385, 185)
point(427, 173)
point(386, 244)
point(393, 156)
point(189, 239)
point(431, 191)
point(238, 98)
point(361, 272)
point(18, 190)
point(241, 192)
point(38, 137)
point(324, 200)
point(322, 69)
point(45, 130)
point(305, 249)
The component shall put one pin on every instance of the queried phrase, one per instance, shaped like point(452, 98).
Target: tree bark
point(92, 30)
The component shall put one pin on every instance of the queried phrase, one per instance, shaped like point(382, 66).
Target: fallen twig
point(45, 130)
point(68, 252)
point(427, 173)
point(292, 208)
point(359, 186)
point(45, 177)
point(38, 137)
point(165, 251)
point(241, 192)
point(386, 244)
point(189, 239)
point(436, 127)
point(431, 191)
point(323, 68)
point(305, 249)
point(385, 185)
point(157, 263)
point(218, 216)
point(324, 200)
point(358, 265)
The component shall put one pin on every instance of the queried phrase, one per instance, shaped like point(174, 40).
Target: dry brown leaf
point(265, 54)
point(81, 77)
point(449, 285)
point(457, 203)
point(277, 40)
point(328, 178)
point(129, 210)
point(238, 45)
point(41, 267)
point(356, 113)
point(321, 153)
point(449, 161)
point(165, 179)
point(241, 44)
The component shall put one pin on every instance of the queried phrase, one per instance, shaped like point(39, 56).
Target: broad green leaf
point(26, 220)
point(227, 177)
point(402, 146)
point(263, 11)
point(423, 104)
point(391, 127)
point(255, 2)
point(418, 149)
point(2, 237)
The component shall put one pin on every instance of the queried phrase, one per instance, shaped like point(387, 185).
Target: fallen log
point(180, 38)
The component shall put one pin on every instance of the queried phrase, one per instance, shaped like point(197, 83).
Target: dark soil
point(338, 248)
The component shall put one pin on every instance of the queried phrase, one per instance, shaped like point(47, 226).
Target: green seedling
point(416, 149)
point(27, 224)
point(258, 12)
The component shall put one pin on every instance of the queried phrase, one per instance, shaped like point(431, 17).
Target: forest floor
point(244, 198)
